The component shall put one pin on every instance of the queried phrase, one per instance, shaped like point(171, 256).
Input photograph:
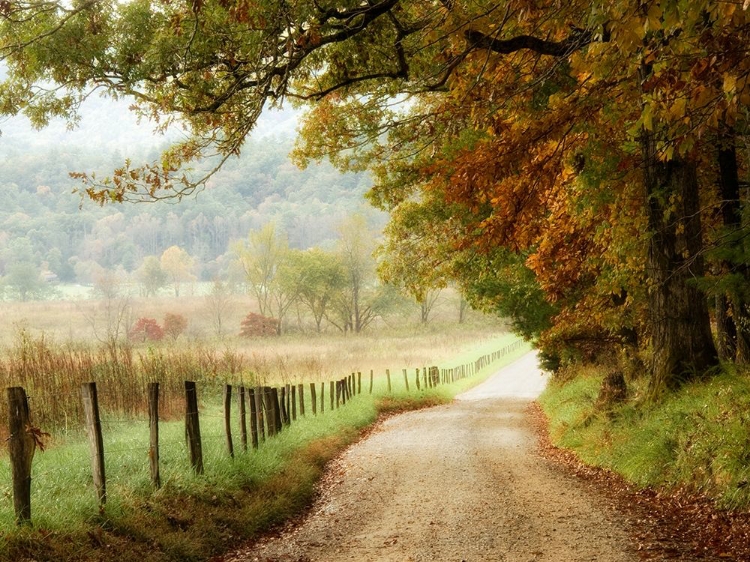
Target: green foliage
point(694, 439)
point(151, 276)
point(40, 219)
point(500, 282)
point(321, 278)
point(23, 282)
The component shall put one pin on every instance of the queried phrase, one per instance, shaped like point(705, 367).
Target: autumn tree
point(146, 329)
point(178, 267)
point(219, 302)
point(561, 132)
point(174, 325)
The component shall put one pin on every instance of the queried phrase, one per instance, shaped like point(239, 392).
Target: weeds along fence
point(52, 376)
point(262, 412)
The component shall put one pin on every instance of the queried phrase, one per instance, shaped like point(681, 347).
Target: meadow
point(193, 516)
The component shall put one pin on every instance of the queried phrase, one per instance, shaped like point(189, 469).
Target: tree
point(178, 266)
point(355, 253)
point(219, 302)
point(174, 325)
point(264, 257)
point(537, 129)
point(112, 315)
point(258, 325)
point(146, 329)
point(23, 282)
point(151, 276)
point(410, 256)
point(321, 279)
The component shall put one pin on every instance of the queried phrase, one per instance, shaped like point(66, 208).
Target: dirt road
point(459, 482)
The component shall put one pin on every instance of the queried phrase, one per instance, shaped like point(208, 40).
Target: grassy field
point(192, 517)
point(695, 439)
point(84, 317)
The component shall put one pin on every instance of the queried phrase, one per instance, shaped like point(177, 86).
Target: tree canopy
point(595, 142)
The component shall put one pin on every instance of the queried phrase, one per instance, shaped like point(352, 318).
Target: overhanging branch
point(578, 39)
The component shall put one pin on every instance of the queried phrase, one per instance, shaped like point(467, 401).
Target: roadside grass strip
point(695, 439)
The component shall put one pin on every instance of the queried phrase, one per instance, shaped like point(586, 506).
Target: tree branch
point(578, 39)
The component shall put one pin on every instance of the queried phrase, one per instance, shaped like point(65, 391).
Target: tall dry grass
point(41, 350)
point(53, 373)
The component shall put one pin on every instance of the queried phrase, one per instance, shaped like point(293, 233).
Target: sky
point(109, 125)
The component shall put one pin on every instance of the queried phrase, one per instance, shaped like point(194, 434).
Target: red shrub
point(258, 325)
point(146, 329)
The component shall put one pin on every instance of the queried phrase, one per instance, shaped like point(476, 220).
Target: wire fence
point(247, 417)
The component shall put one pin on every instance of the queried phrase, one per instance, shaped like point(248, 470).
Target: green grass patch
point(193, 517)
point(696, 438)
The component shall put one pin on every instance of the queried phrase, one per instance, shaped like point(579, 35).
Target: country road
point(452, 483)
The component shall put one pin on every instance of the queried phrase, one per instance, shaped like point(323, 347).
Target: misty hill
point(44, 223)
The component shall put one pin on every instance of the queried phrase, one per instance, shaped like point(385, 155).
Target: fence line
point(271, 409)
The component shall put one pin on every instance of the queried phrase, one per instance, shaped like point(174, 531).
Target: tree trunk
point(680, 328)
point(731, 214)
point(726, 332)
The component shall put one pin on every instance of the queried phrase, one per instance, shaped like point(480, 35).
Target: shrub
point(259, 325)
point(174, 325)
point(146, 329)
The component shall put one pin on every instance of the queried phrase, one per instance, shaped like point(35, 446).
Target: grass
point(695, 439)
point(193, 517)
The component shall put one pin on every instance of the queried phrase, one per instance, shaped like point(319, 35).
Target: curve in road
point(458, 482)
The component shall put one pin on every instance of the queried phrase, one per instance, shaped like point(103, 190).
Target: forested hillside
point(44, 225)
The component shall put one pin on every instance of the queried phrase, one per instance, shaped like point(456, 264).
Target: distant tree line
point(48, 234)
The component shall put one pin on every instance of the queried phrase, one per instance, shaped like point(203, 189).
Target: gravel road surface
point(460, 482)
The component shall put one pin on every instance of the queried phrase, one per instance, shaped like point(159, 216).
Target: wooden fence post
point(359, 382)
point(228, 418)
point(338, 393)
point(417, 379)
point(313, 399)
point(21, 445)
point(192, 427)
point(388, 376)
point(284, 414)
point(294, 402)
point(288, 404)
point(259, 414)
point(301, 396)
point(243, 417)
point(330, 391)
point(96, 442)
point(270, 411)
point(277, 419)
point(406, 380)
point(371, 377)
point(153, 424)
point(322, 397)
point(253, 418)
